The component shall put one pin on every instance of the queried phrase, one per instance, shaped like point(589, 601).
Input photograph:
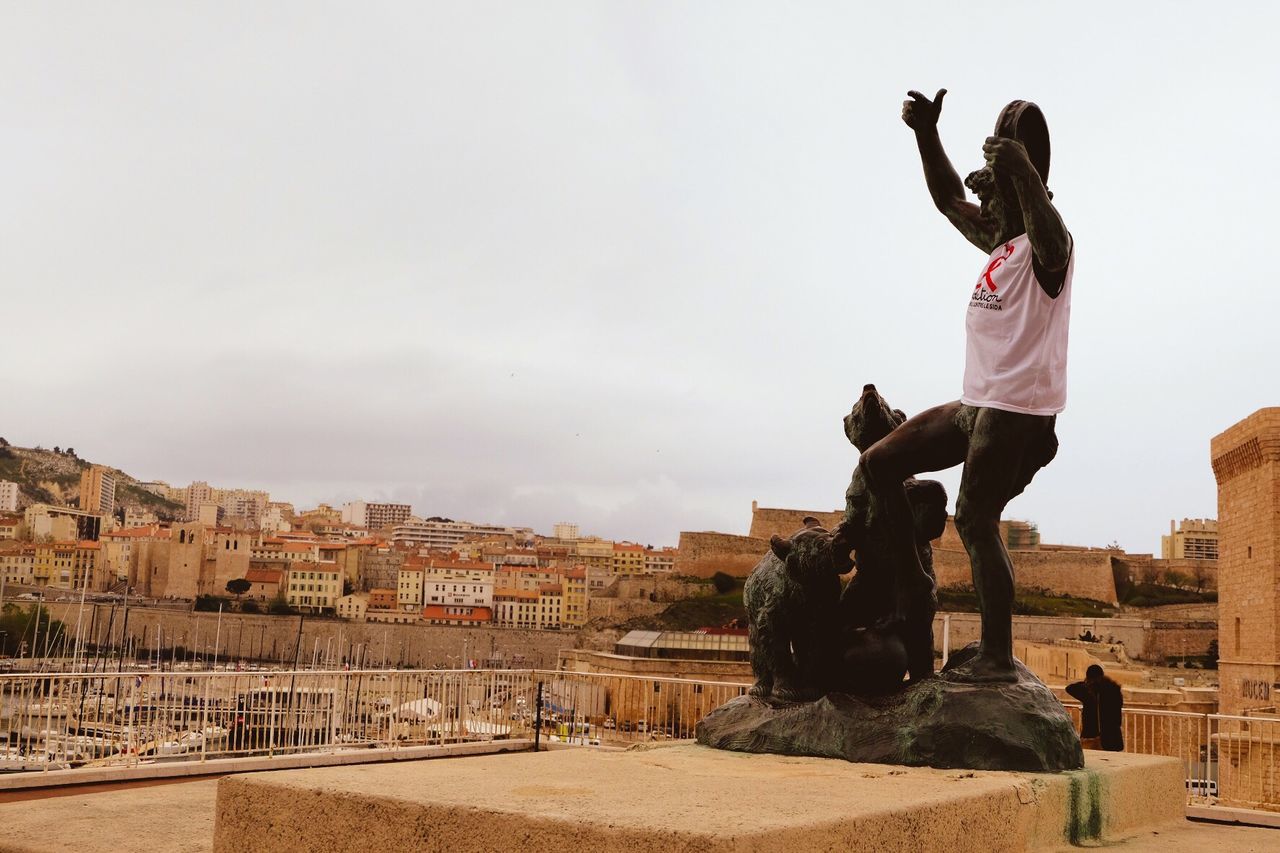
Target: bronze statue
point(791, 599)
point(876, 598)
point(1002, 428)
point(830, 664)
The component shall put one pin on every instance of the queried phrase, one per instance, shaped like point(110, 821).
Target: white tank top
point(1016, 336)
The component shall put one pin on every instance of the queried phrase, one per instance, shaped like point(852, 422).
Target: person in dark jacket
point(1100, 717)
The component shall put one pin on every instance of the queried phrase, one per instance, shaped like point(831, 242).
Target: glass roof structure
point(684, 645)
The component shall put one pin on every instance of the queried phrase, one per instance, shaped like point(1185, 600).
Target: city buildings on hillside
point(315, 562)
point(44, 521)
point(1193, 539)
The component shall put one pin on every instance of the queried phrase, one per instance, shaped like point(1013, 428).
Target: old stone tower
point(1246, 464)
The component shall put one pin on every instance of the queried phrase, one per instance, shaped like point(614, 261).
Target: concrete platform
point(686, 798)
point(146, 817)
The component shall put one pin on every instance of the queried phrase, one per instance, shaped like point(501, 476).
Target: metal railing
point(129, 718)
point(1227, 760)
point(52, 721)
point(59, 721)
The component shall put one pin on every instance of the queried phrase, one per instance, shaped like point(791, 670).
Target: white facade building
point(8, 496)
point(442, 534)
point(449, 583)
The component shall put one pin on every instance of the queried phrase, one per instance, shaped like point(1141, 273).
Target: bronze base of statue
point(937, 722)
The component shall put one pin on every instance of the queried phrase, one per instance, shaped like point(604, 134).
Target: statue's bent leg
point(994, 471)
point(930, 441)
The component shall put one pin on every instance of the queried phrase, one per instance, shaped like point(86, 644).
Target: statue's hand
point(1008, 157)
point(920, 113)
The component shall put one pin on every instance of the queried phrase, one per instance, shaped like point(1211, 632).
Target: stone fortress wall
point(1080, 574)
point(1055, 569)
point(702, 554)
point(274, 637)
point(767, 521)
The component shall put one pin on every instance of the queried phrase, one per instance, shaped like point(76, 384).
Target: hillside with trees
point(53, 477)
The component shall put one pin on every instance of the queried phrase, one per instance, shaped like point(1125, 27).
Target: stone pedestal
point(687, 797)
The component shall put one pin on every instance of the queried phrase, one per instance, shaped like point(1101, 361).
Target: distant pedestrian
point(1100, 716)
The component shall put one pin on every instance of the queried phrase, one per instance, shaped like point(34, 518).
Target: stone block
point(686, 798)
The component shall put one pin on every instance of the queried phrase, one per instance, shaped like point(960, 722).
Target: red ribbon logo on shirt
point(992, 267)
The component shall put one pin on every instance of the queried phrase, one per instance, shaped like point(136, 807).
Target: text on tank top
point(1016, 335)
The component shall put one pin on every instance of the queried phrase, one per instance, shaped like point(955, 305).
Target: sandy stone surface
point(1196, 837)
point(685, 798)
point(166, 818)
point(179, 817)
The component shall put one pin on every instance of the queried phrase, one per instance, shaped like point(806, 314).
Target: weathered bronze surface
point(865, 653)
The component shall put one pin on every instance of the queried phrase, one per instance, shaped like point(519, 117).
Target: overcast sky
point(615, 263)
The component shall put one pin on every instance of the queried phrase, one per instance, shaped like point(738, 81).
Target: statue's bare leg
point(993, 472)
point(930, 441)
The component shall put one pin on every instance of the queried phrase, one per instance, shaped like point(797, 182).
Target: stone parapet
point(687, 797)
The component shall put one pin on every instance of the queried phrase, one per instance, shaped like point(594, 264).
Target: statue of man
point(1015, 378)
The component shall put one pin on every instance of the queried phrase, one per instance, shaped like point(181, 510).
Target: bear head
point(871, 419)
point(928, 507)
point(807, 553)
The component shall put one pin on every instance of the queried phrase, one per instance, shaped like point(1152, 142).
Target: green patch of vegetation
point(19, 626)
point(212, 603)
point(1026, 603)
point(279, 606)
point(708, 611)
point(1155, 595)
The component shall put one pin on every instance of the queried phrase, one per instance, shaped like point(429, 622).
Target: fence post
point(204, 718)
point(537, 718)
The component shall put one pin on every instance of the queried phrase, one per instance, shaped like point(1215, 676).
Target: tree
point(1173, 577)
point(250, 606)
point(209, 603)
point(1200, 574)
point(1150, 572)
point(239, 586)
point(279, 606)
point(723, 582)
point(57, 450)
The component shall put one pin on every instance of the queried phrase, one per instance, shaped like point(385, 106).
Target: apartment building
point(313, 586)
point(456, 583)
point(660, 561)
point(375, 516)
point(542, 608)
point(17, 563)
point(442, 534)
point(1193, 539)
point(8, 496)
point(628, 558)
point(98, 490)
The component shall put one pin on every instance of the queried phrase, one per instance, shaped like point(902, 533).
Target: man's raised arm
point(945, 186)
point(1050, 242)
